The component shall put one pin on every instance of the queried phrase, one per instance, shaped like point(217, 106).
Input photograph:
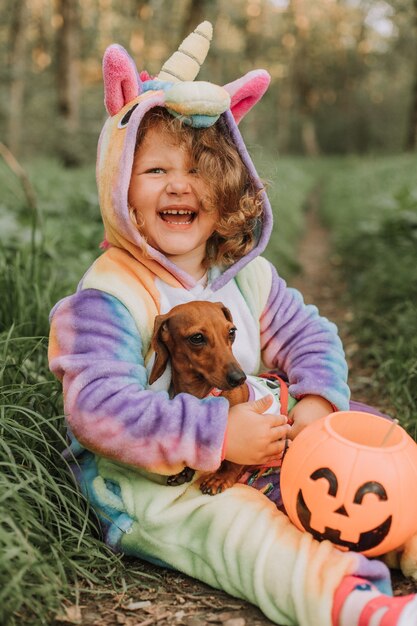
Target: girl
point(186, 218)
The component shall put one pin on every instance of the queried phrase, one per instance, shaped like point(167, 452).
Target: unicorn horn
point(185, 63)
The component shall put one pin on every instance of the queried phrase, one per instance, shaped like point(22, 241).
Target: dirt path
point(321, 284)
point(176, 599)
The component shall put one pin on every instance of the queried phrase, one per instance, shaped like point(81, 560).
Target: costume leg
point(236, 541)
point(366, 408)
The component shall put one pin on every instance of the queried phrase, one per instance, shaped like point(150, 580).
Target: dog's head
point(197, 337)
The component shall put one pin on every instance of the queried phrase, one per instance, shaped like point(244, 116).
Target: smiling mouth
point(368, 540)
point(181, 217)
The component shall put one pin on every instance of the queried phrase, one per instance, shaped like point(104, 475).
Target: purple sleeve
point(96, 350)
point(305, 346)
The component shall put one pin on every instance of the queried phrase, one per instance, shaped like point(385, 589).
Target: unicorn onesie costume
point(127, 437)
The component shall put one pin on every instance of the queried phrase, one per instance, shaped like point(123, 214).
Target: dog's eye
point(232, 334)
point(197, 340)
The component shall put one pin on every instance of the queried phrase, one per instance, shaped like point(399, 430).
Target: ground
point(175, 599)
point(321, 284)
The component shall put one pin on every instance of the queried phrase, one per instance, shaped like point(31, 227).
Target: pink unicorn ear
point(121, 81)
point(246, 91)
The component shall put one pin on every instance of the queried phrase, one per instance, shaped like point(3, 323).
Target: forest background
point(334, 138)
point(343, 72)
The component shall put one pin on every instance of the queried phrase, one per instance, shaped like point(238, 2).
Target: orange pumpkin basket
point(351, 478)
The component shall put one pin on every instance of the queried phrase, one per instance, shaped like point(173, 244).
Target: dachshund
point(197, 338)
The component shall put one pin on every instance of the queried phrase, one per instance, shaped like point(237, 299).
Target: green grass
point(68, 222)
point(371, 208)
point(49, 539)
point(288, 183)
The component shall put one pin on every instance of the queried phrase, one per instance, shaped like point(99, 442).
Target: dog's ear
point(226, 312)
point(160, 332)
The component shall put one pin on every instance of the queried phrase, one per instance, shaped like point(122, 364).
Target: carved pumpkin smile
point(367, 539)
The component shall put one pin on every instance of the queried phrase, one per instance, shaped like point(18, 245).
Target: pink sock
point(358, 602)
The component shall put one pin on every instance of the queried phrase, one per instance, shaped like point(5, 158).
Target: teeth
point(177, 212)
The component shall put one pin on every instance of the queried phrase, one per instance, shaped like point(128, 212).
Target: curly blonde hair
point(233, 193)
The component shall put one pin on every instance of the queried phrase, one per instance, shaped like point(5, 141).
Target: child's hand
point(253, 438)
point(307, 410)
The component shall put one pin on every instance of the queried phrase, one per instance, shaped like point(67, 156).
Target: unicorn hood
point(128, 96)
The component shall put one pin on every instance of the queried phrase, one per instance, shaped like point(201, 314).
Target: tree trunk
point(303, 88)
point(68, 82)
point(411, 141)
point(309, 136)
point(17, 75)
point(195, 15)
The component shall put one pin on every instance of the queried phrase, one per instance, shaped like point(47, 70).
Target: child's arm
point(297, 341)
point(306, 411)
point(96, 350)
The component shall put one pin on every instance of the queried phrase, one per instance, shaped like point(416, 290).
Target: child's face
point(167, 196)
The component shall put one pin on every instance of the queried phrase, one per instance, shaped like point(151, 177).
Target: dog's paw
point(183, 477)
point(213, 484)
point(408, 558)
point(404, 558)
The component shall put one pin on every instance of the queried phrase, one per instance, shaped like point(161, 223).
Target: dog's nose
point(235, 376)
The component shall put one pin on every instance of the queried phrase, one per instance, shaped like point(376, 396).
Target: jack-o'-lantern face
point(345, 515)
point(348, 478)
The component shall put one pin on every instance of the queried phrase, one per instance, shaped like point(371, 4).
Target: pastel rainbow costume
point(125, 437)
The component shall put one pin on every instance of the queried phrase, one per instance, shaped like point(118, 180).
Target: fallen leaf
point(224, 616)
point(195, 621)
point(135, 606)
point(179, 615)
point(70, 614)
point(154, 619)
point(235, 621)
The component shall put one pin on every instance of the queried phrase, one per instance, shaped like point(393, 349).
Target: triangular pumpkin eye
point(370, 487)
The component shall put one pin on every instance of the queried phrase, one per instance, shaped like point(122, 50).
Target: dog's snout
point(235, 376)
